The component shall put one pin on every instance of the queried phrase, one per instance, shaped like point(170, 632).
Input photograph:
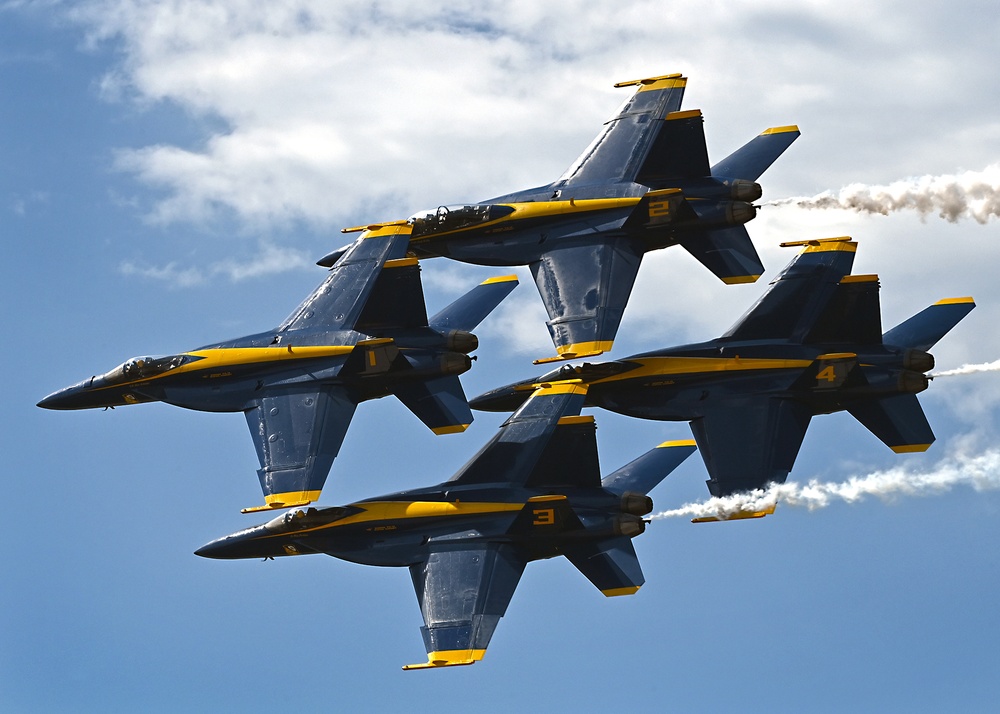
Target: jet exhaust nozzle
point(918, 361)
point(723, 213)
point(461, 341)
point(912, 382)
point(743, 190)
point(629, 525)
point(636, 504)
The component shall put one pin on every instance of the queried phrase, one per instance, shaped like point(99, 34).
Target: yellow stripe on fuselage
point(656, 366)
point(215, 362)
point(384, 511)
point(536, 209)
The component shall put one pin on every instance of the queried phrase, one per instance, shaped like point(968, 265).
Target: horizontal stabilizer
point(297, 436)
point(727, 252)
point(611, 565)
point(439, 403)
point(923, 330)
point(898, 421)
point(473, 307)
point(645, 472)
point(753, 158)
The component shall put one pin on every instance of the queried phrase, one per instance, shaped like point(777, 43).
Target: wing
point(585, 289)
point(339, 301)
point(620, 151)
point(439, 403)
point(798, 297)
point(611, 565)
point(462, 595)
point(751, 442)
point(298, 434)
point(511, 457)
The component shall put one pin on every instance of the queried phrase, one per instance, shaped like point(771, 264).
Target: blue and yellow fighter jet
point(362, 334)
point(534, 491)
point(644, 183)
point(813, 344)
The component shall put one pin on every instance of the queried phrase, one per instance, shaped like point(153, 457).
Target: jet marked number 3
point(544, 516)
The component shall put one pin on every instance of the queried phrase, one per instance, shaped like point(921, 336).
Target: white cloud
point(268, 260)
point(333, 109)
point(336, 113)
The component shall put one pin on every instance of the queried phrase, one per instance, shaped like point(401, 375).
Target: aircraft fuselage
point(403, 528)
point(676, 384)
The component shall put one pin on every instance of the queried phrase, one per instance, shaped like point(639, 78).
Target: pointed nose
point(68, 398)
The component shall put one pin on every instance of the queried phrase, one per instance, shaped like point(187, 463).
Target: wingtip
point(500, 279)
point(781, 130)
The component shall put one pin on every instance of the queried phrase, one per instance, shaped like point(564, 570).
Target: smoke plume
point(981, 472)
point(969, 369)
point(973, 194)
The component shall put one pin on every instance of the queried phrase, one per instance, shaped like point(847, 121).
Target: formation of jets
point(812, 344)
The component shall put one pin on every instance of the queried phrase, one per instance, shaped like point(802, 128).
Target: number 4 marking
point(829, 374)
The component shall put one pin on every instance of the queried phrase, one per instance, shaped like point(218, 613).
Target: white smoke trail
point(981, 472)
point(973, 194)
point(969, 369)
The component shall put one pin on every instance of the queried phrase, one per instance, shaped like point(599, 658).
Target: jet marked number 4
point(829, 374)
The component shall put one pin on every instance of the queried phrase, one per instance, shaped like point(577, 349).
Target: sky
point(172, 170)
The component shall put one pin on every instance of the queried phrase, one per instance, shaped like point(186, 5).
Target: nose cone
point(75, 397)
point(255, 542)
point(501, 399)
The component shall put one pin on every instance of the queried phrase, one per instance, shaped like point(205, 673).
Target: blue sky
point(171, 172)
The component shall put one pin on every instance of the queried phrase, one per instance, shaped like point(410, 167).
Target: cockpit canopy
point(145, 367)
point(450, 218)
point(303, 518)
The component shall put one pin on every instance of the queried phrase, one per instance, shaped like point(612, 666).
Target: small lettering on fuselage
point(220, 374)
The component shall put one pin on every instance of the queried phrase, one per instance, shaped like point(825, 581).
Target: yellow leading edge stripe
point(617, 592)
point(448, 658)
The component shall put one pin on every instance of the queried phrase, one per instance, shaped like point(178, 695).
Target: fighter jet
point(644, 183)
point(534, 491)
point(813, 344)
point(362, 334)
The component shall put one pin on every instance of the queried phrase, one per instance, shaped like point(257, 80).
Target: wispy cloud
point(268, 260)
